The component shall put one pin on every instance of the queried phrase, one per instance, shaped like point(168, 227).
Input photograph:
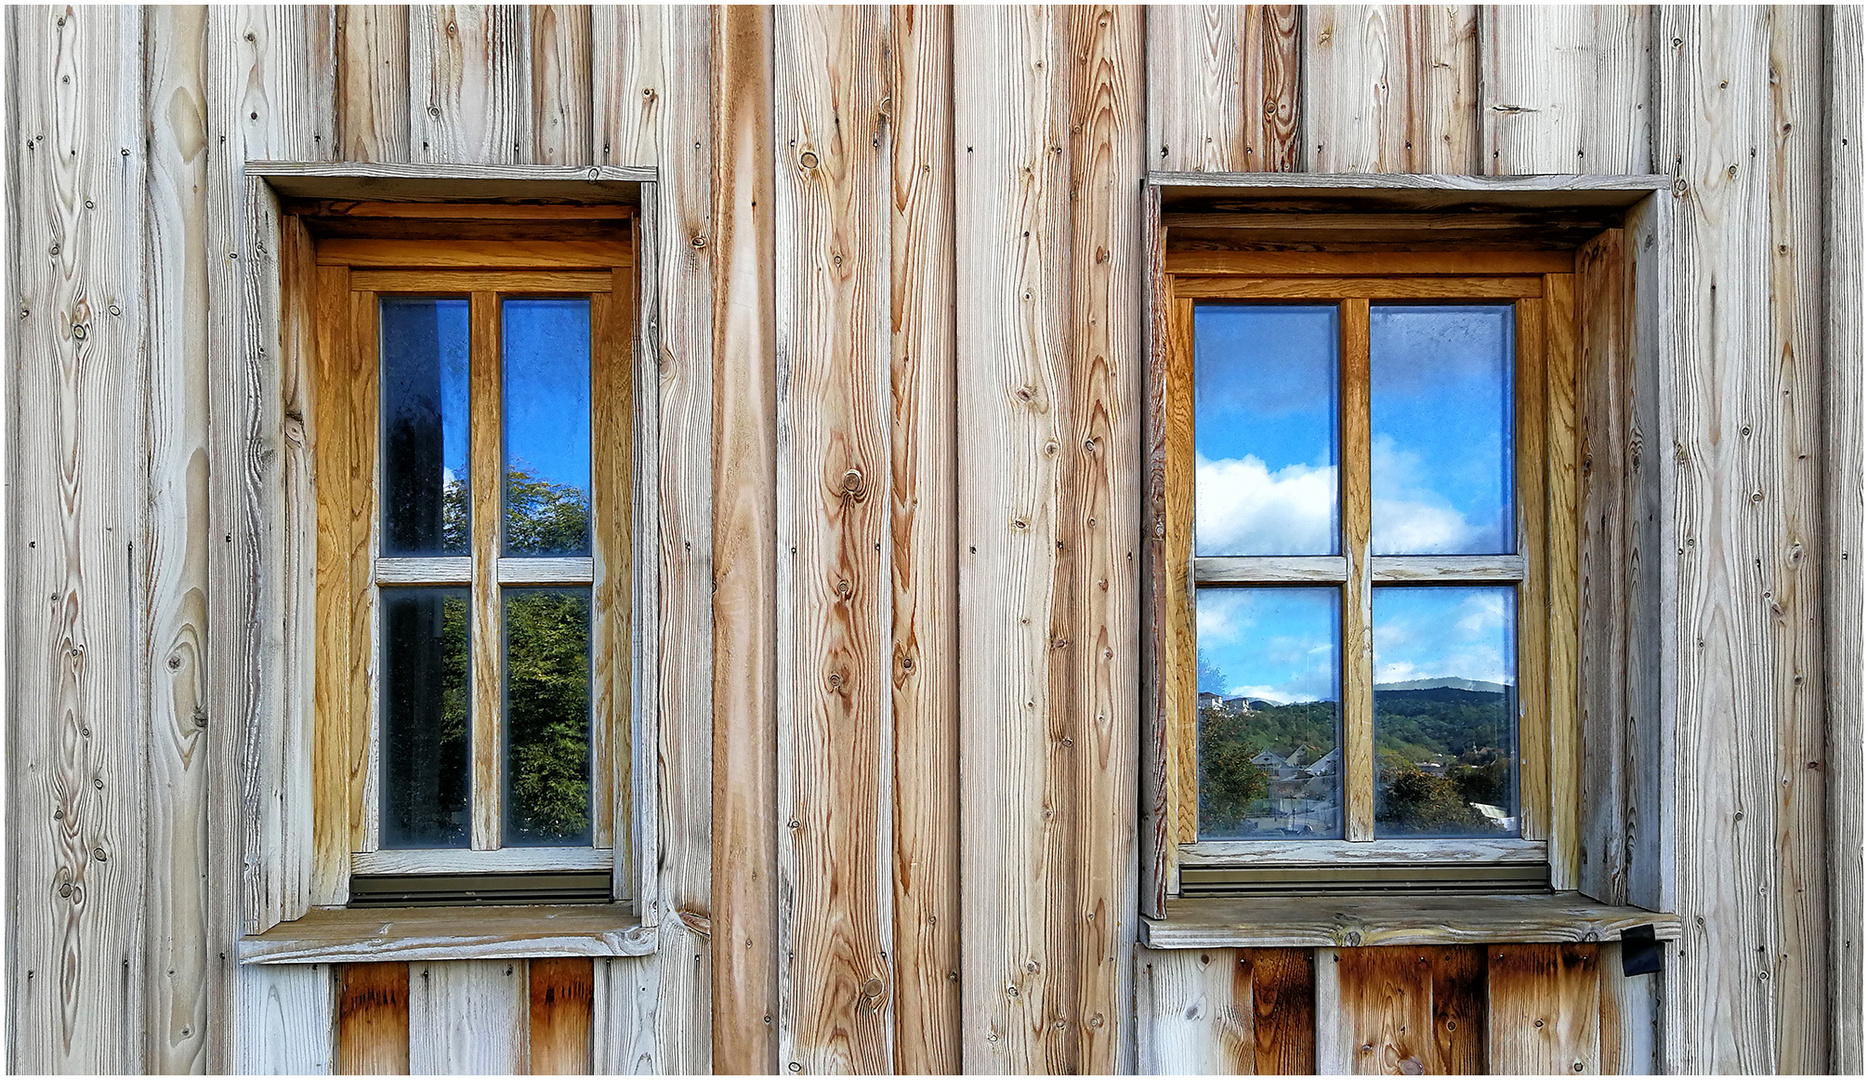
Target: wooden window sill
point(360, 935)
point(1333, 921)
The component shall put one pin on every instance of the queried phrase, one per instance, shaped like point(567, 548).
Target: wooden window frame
point(1541, 289)
point(400, 253)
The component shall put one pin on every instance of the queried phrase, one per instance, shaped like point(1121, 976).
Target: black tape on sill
point(1640, 952)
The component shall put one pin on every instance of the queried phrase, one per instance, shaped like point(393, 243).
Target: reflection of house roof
point(1296, 760)
point(1325, 764)
point(1267, 758)
point(1242, 704)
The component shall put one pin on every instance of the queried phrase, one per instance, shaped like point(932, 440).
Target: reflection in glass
point(547, 716)
point(1265, 429)
point(1440, 416)
point(425, 727)
point(547, 412)
point(1269, 719)
point(1445, 706)
point(424, 402)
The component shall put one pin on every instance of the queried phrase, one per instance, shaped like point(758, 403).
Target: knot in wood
point(872, 988)
point(852, 485)
point(808, 160)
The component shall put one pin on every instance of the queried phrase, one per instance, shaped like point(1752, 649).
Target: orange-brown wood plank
point(373, 1019)
point(1284, 1011)
point(561, 992)
point(1358, 655)
point(1222, 93)
point(1458, 1010)
point(1375, 1011)
point(1543, 1009)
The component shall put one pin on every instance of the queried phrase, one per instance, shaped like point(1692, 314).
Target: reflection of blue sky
point(1440, 412)
point(416, 334)
point(1279, 644)
point(547, 401)
point(1265, 383)
point(1444, 632)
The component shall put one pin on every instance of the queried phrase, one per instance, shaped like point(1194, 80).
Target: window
point(473, 457)
point(1364, 478)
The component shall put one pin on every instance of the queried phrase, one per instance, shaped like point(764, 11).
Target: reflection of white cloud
point(1409, 516)
point(1222, 615)
point(1243, 508)
point(1443, 633)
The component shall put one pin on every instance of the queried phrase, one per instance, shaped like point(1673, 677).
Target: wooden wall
point(900, 264)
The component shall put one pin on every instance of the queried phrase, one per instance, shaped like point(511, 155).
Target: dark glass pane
point(1265, 429)
point(547, 410)
point(1440, 421)
point(547, 716)
point(1446, 706)
point(424, 362)
point(1270, 722)
point(425, 718)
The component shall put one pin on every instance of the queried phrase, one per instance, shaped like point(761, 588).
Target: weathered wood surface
point(745, 738)
point(1319, 921)
point(560, 1013)
point(470, 83)
point(1544, 1014)
point(373, 82)
point(372, 1019)
point(358, 935)
point(1193, 1012)
point(1222, 87)
point(468, 1017)
point(923, 663)
point(623, 1009)
point(1389, 89)
point(561, 92)
point(1564, 89)
point(1375, 1012)
point(287, 1021)
point(834, 740)
point(1630, 1012)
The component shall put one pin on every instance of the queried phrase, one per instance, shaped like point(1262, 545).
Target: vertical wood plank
point(468, 1016)
point(1543, 1011)
point(1181, 705)
point(1222, 88)
point(613, 513)
point(1562, 533)
point(1358, 655)
point(623, 997)
point(653, 105)
point(1459, 1010)
point(745, 737)
point(486, 454)
point(924, 620)
point(332, 429)
point(77, 875)
point(373, 82)
point(1284, 1011)
point(181, 980)
point(365, 524)
point(470, 83)
point(1564, 89)
point(1194, 1012)
point(1375, 1011)
point(1843, 590)
point(561, 92)
point(1629, 1014)
point(373, 1019)
point(1714, 108)
point(288, 1020)
point(1533, 632)
point(1390, 89)
point(1166, 521)
point(561, 1014)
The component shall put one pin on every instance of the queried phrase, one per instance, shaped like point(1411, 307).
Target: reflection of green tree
point(1232, 786)
point(548, 714)
point(542, 518)
point(1466, 734)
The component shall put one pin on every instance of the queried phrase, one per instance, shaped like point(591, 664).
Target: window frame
point(514, 250)
point(1540, 285)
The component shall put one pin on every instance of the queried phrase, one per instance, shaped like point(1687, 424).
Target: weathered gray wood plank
point(1389, 89)
point(470, 83)
point(1564, 88)
point(288, 1021)
point(468, 1017)
point(561, 92)
point(1358, 920)
point(373, 82)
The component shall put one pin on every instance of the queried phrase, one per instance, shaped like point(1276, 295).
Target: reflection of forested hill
point(1439, 721)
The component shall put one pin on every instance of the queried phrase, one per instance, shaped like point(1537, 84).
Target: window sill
point(361, 935)
point(1327, 921)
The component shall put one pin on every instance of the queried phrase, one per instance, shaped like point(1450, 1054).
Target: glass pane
point(547, 412)
point(1270, 752)
point(424, 362)
point(425, 730)
point(547, 716)
point(1446, 703)
point(1265, 430)
point(1440, 426)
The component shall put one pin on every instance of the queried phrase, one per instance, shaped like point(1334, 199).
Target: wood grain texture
point(623, 1008)
point(1375, 1012)
point(832, 192)
point(1284, 1011)
point(653, 100)
point(1222, 87)
point(1543, 1014)
point(1459, 1010)
point(1562, 534)
point(1358, 643)
point(1163, 678)
point(1390, 89)
point(356, 935)
point(1630, 1012)
point(1532, 638)
point(1367, 263)
point(184, 987)
point(1564, 89)
point(1387, 919)
point(372, 1019)
point(924, 666)
point(77, 873)
point(614, 516)
point(467, 1016)
point(1714, 107)
point(470, 83)
point(561, 91)
point(373, 82)
point(332, 428)
point(1180, 694)
point(287, 1021)
point(366, 519)
point(560, 1016)
point(745, 736)
point(1843, 587)
point(487, 640)
point(1194, 1014)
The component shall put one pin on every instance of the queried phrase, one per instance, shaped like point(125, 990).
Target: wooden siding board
point(1375, 1015)
point(652, 86)
point(1564, 89)
point(1459, 1011)
point(470, 83)
point(832, 215)
point(1843, 589)
point(468, 1017)
point(1543, 1014)
point(561, 91)
point(287, 1021)
point(1284, 1011)
point(1713, 105)
point(623, 997)
point(372, 1020)
point(745, 738)
point(1222, 87)
point(1629, 1011)
point(373, 82)
point(1390, 89)
point(560, 1014)
point(924, 620)
point(186, 990)
point(78, 875)
point(1194, 1012)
